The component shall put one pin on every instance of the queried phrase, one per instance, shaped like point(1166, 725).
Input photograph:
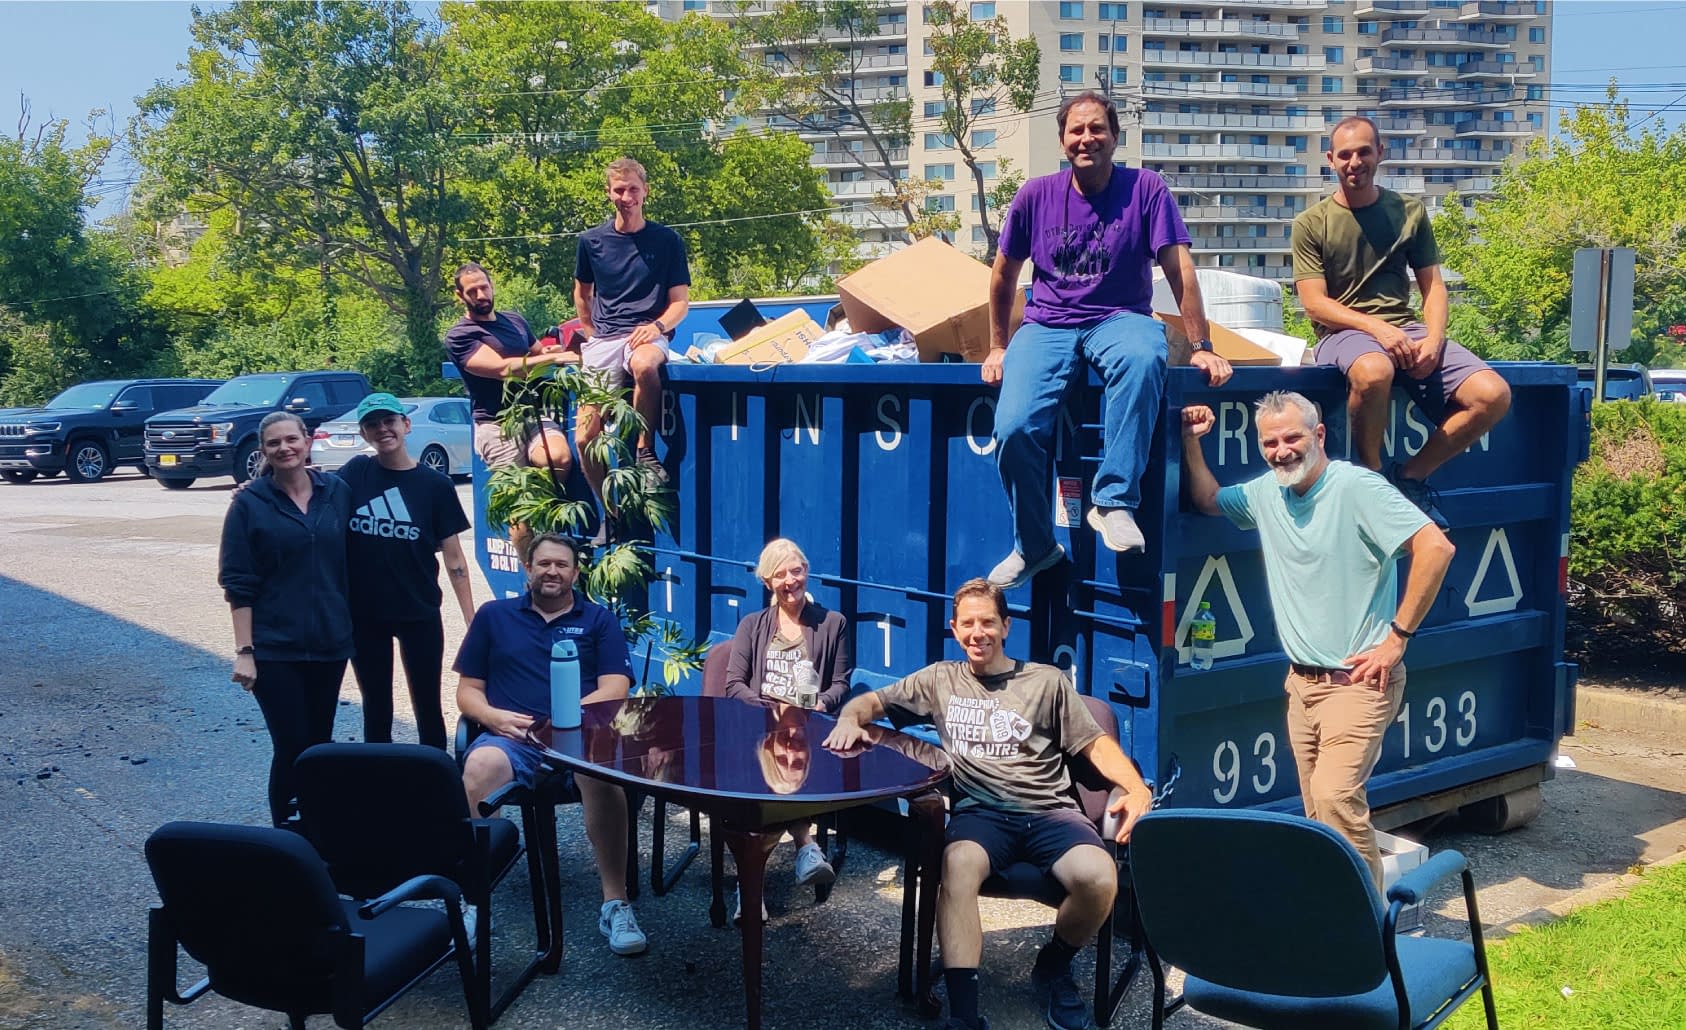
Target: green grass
point(1624, 960)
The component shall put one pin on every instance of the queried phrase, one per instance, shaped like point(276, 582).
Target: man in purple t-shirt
point(1092, 234)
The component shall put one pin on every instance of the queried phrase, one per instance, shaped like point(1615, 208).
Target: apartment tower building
point(1231, 101)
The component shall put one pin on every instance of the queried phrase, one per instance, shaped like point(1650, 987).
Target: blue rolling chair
point(1276, 923)
point(256, 907)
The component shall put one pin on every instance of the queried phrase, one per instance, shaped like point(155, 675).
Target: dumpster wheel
point(1505, 812)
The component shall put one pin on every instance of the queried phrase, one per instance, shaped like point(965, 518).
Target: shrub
point(1627, 562)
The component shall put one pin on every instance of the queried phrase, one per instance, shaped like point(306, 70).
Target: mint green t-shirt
point(1330, 557)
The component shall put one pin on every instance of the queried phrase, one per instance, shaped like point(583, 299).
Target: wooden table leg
point(750, 850)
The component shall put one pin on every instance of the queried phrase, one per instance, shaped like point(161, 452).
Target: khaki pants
point(498, 450)
point(1336, 732)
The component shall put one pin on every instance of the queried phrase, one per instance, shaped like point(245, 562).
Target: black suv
point(89, 429)
point(219, 436)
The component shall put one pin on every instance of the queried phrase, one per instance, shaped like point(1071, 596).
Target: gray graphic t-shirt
point(778, 672)
point(1008, 736)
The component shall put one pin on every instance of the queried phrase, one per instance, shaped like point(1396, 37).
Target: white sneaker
point(811, 866)
point(1015, 570)
point(737, 907)
point(1117, 528)
point(616, 922)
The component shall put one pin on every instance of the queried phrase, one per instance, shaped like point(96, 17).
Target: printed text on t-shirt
point(980, 727)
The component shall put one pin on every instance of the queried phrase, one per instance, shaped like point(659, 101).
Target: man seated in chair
point(1010, 729)
point(504, 665)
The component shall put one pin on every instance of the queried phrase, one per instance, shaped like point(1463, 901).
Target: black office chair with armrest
point(380, 814)
point(256, 907)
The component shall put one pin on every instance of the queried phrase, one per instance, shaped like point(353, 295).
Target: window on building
point(941, 202)
point(930, 51)
point(983, 11)
point(933, 78)
point(978, 234)
point(988, 169)
point(1299, 82)
point(696, 5)
point(1071, 73)
point(935, 108)
point(983, 138)
point(1120, 76)
point(943, 172)
point(938, 141)
point(1538, 61)
point(1334, 54)
point(896, 80)
point(1299, 143)
point(1071, 42)
point(1114, 12)
point(1536, 35)
point(1332, 84)
point(1536, 92)
point(1118, 44)
point(1071, 10)
point(982, 106)
point(1333, 23)
point(1366, 28)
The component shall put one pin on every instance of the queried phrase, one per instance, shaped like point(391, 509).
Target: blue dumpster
point(885, 475)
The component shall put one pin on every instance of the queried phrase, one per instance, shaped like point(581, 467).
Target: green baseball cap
point(379, 404)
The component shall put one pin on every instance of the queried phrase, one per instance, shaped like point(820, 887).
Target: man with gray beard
point(1331, 534)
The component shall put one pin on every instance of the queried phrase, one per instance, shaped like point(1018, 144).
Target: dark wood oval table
point(753, 769)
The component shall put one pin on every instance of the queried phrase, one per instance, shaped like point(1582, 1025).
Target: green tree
point(982, 69)
point(325, 128)
point(1599, 183)
point(805, 67)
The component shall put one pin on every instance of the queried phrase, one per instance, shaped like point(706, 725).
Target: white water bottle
point(1202, 636)
point(565, 685)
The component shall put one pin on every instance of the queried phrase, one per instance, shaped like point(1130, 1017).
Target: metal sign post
point(1601, 307)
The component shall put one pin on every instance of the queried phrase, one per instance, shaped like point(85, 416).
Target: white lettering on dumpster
point(809, 419)
point(1225, 647)
point(670, 404)
point(732, 417)
point(1237, 432)
point(972, 435)
point(890, 437)
point(1497, 543)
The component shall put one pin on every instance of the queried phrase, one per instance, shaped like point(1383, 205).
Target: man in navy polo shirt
point(504, 665)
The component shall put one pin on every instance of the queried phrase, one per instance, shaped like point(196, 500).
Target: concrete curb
point(1625, 711)
point(1613, 888)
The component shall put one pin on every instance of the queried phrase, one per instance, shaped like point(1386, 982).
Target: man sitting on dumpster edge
point(1092, 235)
point(1331, 534)
point(504, 665)
point(1354, 255)
point(1010, 729)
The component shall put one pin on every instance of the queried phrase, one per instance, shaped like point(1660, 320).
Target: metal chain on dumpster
point(1163, 795)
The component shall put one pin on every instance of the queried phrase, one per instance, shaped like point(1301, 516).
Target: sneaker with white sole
point(1117, 528)
point(737, 907)
point(1014, 571)
point(616, 922)
point(811, 866)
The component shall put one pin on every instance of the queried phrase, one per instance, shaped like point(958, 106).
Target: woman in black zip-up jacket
point(282, 570)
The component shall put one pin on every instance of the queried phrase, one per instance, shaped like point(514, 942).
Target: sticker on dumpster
point(1069, 512)
point(1499, 543)
point(1223, 647)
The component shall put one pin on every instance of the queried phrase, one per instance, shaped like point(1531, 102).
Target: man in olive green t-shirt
point(1355, 254)
point(1010, 729)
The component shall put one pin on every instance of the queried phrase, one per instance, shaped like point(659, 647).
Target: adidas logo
point(385, 516)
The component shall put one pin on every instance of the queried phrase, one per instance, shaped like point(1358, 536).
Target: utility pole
point(1105, 77)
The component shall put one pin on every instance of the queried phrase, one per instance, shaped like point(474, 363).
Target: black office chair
point(256, 907)
point(380, 814)
point(1025, 881)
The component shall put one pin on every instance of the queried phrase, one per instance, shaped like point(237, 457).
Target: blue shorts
point(1040, 838)
point(525, 760)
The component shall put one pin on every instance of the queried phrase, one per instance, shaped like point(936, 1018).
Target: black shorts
point(1040, 838)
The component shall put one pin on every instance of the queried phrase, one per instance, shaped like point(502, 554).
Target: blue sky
point(71, 57)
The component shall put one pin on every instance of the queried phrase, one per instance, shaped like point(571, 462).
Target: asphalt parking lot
point(117, 715)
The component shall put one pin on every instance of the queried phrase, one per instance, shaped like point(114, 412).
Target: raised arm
point(1198, 420)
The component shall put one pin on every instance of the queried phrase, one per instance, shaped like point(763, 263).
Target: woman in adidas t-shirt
point(403, 515)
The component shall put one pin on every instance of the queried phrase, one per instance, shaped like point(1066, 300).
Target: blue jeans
point(1128, 350)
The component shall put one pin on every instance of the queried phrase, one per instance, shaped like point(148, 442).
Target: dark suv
point(219, 436)
point(89, 429)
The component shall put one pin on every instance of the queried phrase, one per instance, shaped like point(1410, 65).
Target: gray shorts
point(613, 355)
point(498, 450)
point(1433, 393)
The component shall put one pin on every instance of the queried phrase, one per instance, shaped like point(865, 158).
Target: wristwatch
point(660, 328)
point(248, 649)
point(1205, 345)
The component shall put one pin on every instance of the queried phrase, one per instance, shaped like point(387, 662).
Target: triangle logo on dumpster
point(1230, 647)
point(1497, 543)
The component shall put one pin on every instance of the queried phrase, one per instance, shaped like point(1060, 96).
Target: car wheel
point(247, 462)
point(19, 478)
point(435, 458)
point(175, 484)
point(88, 461)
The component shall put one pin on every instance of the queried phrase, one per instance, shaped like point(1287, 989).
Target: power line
point(670, 225)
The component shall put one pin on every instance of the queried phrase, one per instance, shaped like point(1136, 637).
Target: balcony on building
point(1500, 11)
point(858, 188)
point(1455, 38)
point(1413, 184)
point(837, 157)
point(1219, 152)
point(1442, 98)
point(1214, 59)
point(1387, 10)
point(1401, 125)
point(1293, 6)
point(1201, 120)
point(1215, 244)
point(1206, 182)
point(1507, 70)
point(1443, 156)
point(1201, 213)
point(1220, 28)
point(873, 219)
point(1390, 65)
point(1475, 185)
point(1493, 127)
point(1204, 90)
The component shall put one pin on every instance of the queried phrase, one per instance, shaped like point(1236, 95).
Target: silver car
point(441, 437)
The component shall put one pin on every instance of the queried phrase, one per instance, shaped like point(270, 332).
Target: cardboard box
point(1229, 344)
point(782, 340)
point(1400, 856)
point(933, 291)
